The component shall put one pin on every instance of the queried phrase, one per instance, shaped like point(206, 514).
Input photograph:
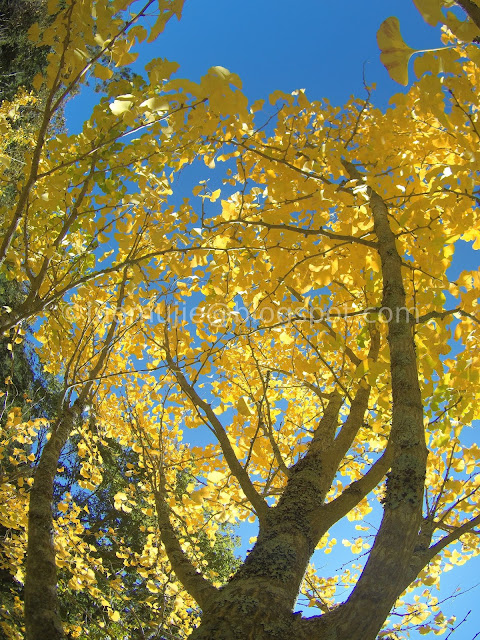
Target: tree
point(303, 321)
point(20, 59)
point(25, 392)
point(223, 562)
point(28, 395)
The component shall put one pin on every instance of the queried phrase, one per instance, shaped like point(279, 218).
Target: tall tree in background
point(330, 394)
point(24, 391)
point(20, 59)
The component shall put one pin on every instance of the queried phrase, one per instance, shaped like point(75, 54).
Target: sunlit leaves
point(395, 54)
point(121, 104)
point(228, 309)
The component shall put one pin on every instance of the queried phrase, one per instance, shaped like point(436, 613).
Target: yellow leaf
point(52, 7)
point(431, 10)
point(156, 104)
point(121, 104)
point(104, 73)
point(244, 407)
point(139, 32)
point(465, 30)
point(215, 195)
point(6, 160)
point(151, 586)
point(286, 338)
point(395, 53)
point(257, 106)
point(225, 74)
point(215, 476)
point(37, 81)
point(199, 496)
point(34, 32)
point(362, 368)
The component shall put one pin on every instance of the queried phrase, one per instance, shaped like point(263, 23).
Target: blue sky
point(274, 44)
point(316, 45)
point(325, 48)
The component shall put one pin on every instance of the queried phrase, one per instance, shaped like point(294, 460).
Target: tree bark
point(385, 574)
point(42, 619)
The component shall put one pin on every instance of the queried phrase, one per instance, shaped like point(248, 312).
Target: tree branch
point(321, 231)
point(471, 9)
point(384, 575)
point(453, 536)
point(443, 314)
point(42, 619)
point(203, 408)
point(359, 405)
point(194, 582)
point(333, 511)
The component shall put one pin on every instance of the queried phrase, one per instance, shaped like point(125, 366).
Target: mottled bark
point(259, 600)
point(248, 610)
point(385, 574)
point(42, 618)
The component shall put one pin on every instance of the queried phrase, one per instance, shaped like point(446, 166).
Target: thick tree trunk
point(257, 603)
point(247, 612)
point(42, 620)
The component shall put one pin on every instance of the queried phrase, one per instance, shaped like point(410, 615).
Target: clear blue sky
point(318, 45)
point(323, 47)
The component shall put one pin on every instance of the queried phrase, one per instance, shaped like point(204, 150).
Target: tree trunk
point(42, 620)
point(257, 603)
point(248, 612)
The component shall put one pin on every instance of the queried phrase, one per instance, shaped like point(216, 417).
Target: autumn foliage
point(290, 312)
